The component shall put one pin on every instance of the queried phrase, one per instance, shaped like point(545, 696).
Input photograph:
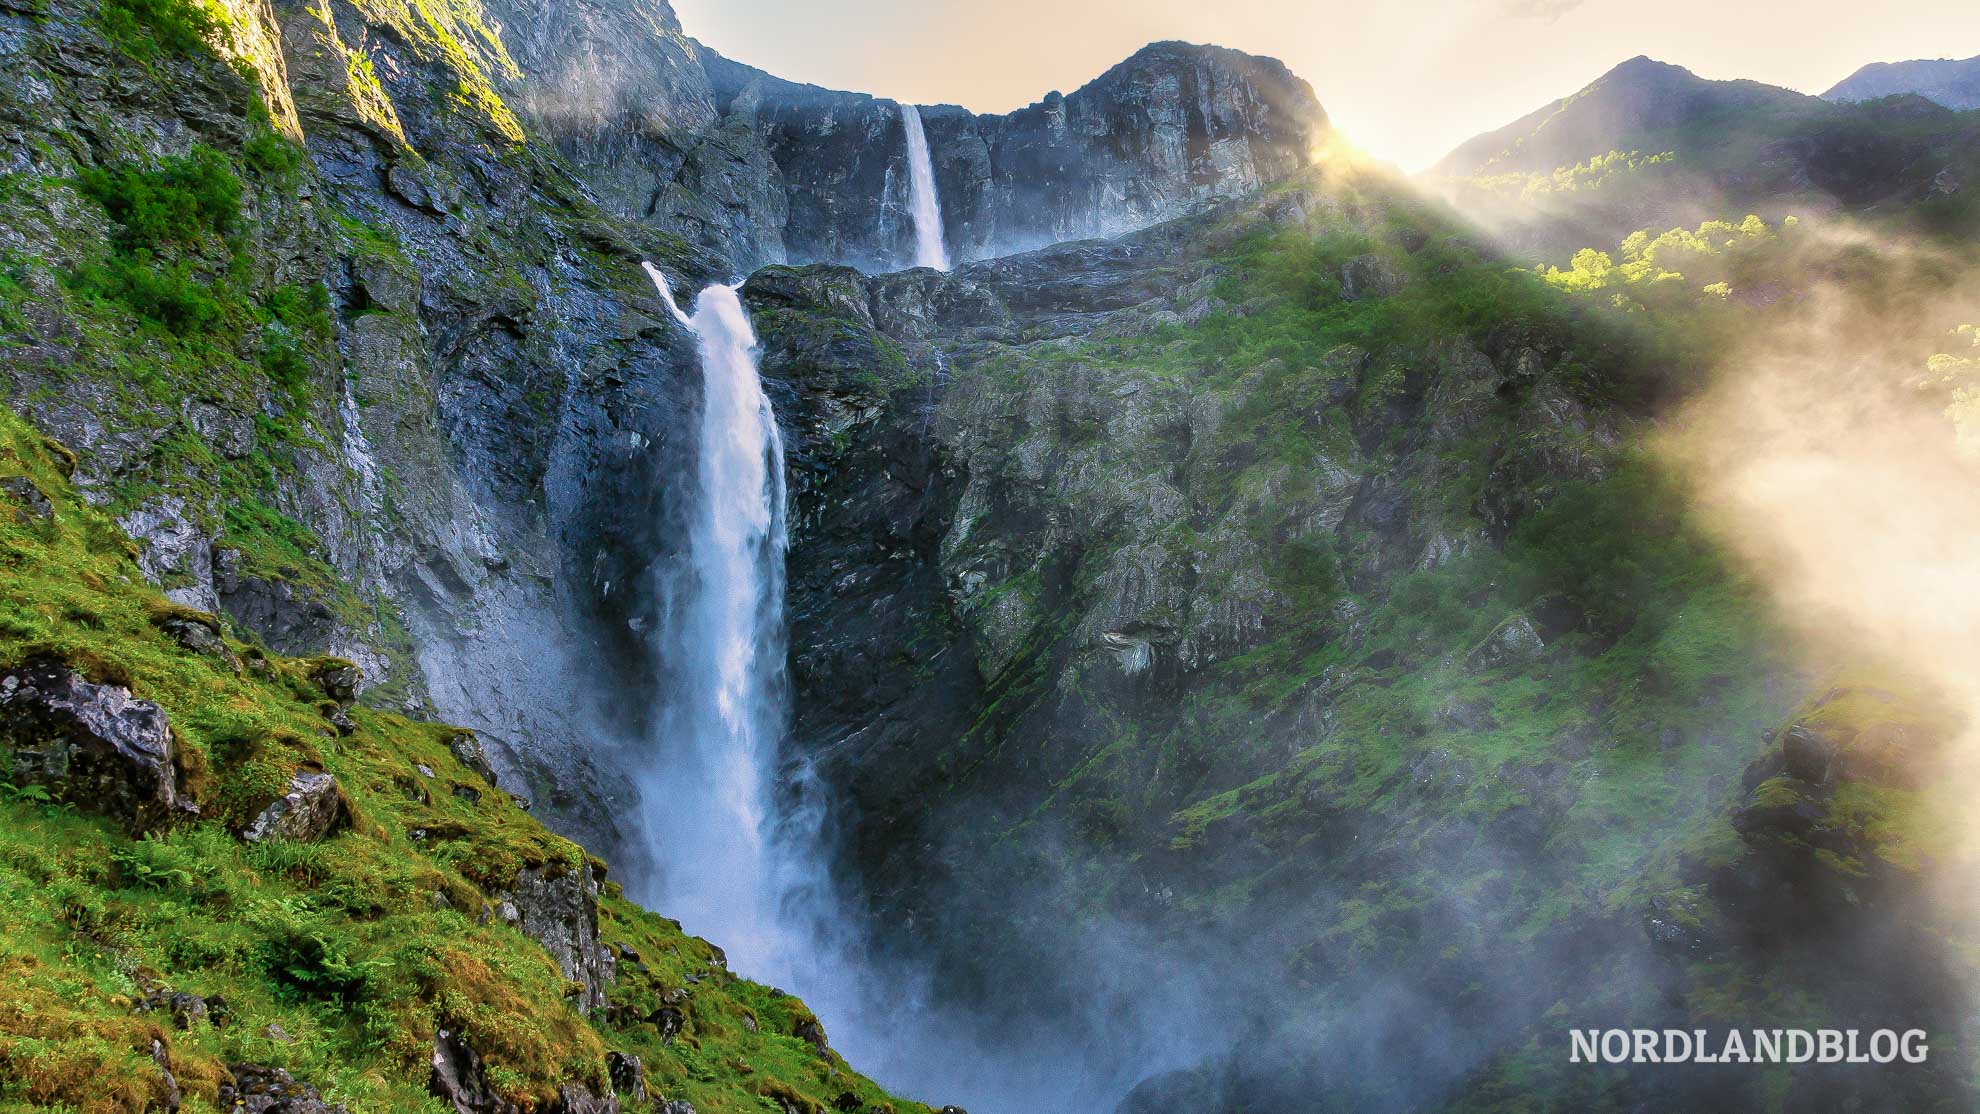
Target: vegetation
point(356, 949)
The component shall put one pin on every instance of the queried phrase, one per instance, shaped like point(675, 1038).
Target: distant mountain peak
point(1952, 82)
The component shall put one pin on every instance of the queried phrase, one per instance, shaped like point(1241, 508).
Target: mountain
point(1172, 129)
point(1651, 145)
point(1641, 104)
point(1954, 84)
point(1258, 656)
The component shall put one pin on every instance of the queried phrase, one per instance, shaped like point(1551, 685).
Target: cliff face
point(1230, 600)
point(1167, 132)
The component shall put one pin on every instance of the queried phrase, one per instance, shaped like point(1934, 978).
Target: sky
point(1405, 80)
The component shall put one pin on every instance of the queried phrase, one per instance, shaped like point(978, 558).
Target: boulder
point(27, 498)
point(558, 908)
point(1514, 640)
point(1369, 276)
point(461, 1080)
point(201, 639)
point(92, 744)
point(309, 811)
point(467, 748)
point(339, 679)
point(628, 1075)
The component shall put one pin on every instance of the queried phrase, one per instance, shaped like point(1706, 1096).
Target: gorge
point(1123, 605)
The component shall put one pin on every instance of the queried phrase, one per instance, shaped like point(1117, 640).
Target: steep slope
point(1262, 644)
point(1954, 84)
point(1650, 145)
point(226, 884)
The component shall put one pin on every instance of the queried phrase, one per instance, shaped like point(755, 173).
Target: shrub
point(179, 202)
point(147, 28)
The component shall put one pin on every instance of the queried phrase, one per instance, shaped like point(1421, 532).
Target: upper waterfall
point(929, 248)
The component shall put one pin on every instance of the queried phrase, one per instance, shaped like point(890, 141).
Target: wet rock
point(276, 1033)
point(1369, 276)
point(94, 745)
point(162, 1056)
point(677, 1106)
point(311, 809)
point(29, 502)
point(174, 551)
point(812, 1033)
point(1468, 715)
point(290, 620)
point(263, 1090)
point(230, 434)
point(1514, 640)
point(340, 720)
point(186, 1010)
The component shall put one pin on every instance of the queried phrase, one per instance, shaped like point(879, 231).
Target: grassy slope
point(343, 944)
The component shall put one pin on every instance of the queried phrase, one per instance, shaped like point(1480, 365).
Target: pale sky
point(1406, 80)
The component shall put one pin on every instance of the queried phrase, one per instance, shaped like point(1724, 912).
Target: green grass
point(343, 944)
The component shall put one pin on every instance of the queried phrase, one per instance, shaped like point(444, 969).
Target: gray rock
point(558, 908)
point(628, 1075)
point(201, 638)
point(467, 749)
point(459, 1079)
point(1512, 641)
point(90, 744)
point(309, 811)
point(1369, 276)
point(28, 500)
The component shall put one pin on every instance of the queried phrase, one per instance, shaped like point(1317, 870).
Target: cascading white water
point(929, 248)
point(709, 784)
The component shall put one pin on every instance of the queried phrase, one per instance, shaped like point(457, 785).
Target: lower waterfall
point(709, 787)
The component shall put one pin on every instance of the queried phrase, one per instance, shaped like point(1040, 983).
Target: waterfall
point(709, 782)
point(929, 250)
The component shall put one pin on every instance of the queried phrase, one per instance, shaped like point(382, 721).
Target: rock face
point(1171, 130)
point(91, 744)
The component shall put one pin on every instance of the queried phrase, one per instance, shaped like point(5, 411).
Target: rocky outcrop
point(558, 908)
point(94, 745)
point(312, 809)
point(460, 1080)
